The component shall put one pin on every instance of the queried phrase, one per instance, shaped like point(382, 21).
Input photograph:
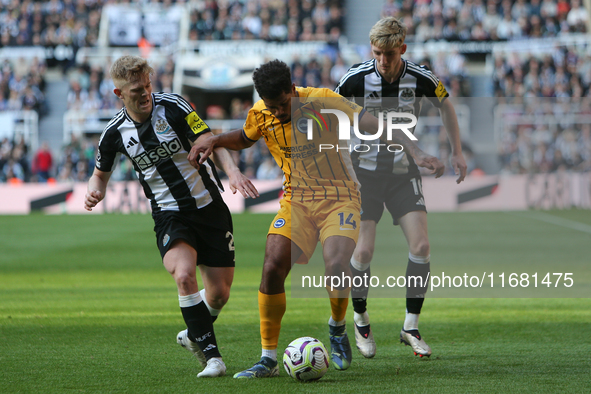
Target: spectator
point(338, 70)
point(14, 103)
point(252, 22)
point(29, 99)
point(549, 9)
point(268, 169)
point(13, 172)
point(67, 172)
point(520, 9)
point(577, 17)
point(42, 163)
point(508, 28)
point(491, 19)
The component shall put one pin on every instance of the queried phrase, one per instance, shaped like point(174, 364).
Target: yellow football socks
point(338, 308)
point(271, 311)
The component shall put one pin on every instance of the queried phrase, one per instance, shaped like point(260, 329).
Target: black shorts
point(208, 230)
point(400, 195)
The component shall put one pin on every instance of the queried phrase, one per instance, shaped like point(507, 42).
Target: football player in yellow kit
point(321, 198)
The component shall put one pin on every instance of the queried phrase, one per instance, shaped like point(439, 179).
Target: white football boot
point(364, 337)
point(215, 367)
point(413, 339)
point(183, 339)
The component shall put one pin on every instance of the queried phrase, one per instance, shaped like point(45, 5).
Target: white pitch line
point(544, 217)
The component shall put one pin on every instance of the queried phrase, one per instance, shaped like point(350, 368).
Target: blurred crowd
point(50, 23)
point(270, 20)
point(76, 162)
point(91, 87)
point(545, 135)
point(553, 86)
point(14, 161)
point(487, 20)
point(22, 85)
point(77, 22)
point(563, 72)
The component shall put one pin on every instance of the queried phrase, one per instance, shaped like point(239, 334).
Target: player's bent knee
point(219, 295)
point(184, 279)
point(219, 300)
point(364, 255)
point(273, 279)
point(275, 274)
point(421, 249)
point(276, 268)
point(336, 267)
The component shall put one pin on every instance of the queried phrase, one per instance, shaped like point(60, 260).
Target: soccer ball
point(306, 359)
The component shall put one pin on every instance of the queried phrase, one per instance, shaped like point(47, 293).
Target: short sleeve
point(196, 126)
point(436, 92)
point(251, 128)
point(105, 154)
point(193, 126)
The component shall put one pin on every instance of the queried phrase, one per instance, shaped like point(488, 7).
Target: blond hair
point(128, 69)
point(387, 33)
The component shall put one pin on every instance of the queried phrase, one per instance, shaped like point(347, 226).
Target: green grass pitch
point(86, 307)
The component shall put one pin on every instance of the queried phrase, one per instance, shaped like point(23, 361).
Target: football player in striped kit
point(192, 223)
point(388, 82)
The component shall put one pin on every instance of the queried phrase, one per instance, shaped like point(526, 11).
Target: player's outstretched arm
point(238, 181)
point(97, 188)
point(450, 122)
point(370, 123)
point(204, 145)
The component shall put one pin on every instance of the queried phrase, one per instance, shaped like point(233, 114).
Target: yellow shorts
point(305, 223)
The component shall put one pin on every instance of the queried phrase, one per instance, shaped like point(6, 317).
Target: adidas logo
point(131, 142)
point(209, 347)
point(421, 201)
point(373, 95)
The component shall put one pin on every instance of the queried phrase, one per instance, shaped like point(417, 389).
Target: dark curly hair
point(272, 78)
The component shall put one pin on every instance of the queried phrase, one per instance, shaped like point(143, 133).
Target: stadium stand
point(545, 135)
point(478, 20)
point(472, 45)
point(546, 97)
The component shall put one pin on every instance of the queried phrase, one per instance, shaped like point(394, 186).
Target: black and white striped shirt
point(364, 84)
point(158, 149)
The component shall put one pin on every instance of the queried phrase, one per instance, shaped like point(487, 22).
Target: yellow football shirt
point(312, 169)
